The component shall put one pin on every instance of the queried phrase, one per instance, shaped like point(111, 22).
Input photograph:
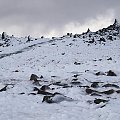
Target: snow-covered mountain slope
point(82, 67)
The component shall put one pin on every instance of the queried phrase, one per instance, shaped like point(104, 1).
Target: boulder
point(34, 77)
point(98, 101)
point(111, 73)
point(94, 85)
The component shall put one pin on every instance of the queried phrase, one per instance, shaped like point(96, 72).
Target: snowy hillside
point(75, 77)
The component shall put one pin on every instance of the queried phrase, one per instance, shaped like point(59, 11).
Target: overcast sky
point(56, 17)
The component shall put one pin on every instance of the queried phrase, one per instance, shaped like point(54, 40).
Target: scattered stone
point(98, 101)
point(3, 89)
point(109, 58)
point(63, 53)
point(32, 94)
point(67, 86)
point(108, 92)
point(42, 37)
point(53, 76)
point(95, 85)
point(95, 94)
point(47, 99)
point(89, 91)
point(75, 79)
point(53, 44)
point(76, 63)
point(99, 73)
point(87, 70)
point(102, 40)
point(21, 93)
point(118, 91)
point(45, 87)
point(35, 89)
point(34, 77)
point(102, 106)
point(75, 82)
point(76, 75)
point(110, 85)
point(16, 71)
point(100, 59)
point(111, 73)
point(84, 86)
point(41, 77)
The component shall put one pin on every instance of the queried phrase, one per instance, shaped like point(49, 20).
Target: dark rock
point(71, 44)
point(95, 94)
point(75, 79)
point(3, 35)
point(52, 88)
point(29, 39)
point(88, 30)
point(76, 63)
point(63, 53)
point(69, 34)
point(21, 93)
point(102, 40)
point(100, 59)
point(98, 101)
point(34, 77)
point(99, 73)
point(45, 87)
point(110, 37)
point(111, 73)
point(3, 89)
point(87, 70)
point(110, 85)
point(117, 91)
point(91, 41)
point(53, 44)
point(47, 99)
point(53, 76)
point(32, 94)
point(41, 77)
point(35, 89)
point(76, 75)
point(60, 84)
point(84, 86)
point(109, 58)
point(42, 37)
point(108, 92)
point(67, 86)
point(75, 36)
point(94, 85)
point(16, 71)
point(75, 82)
point(89, 91)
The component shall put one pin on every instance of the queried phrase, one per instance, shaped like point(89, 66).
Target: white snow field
point(84, 70)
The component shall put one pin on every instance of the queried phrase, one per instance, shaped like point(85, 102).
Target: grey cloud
point(52, 14)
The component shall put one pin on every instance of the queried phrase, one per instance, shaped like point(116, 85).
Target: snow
point(55, 59)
